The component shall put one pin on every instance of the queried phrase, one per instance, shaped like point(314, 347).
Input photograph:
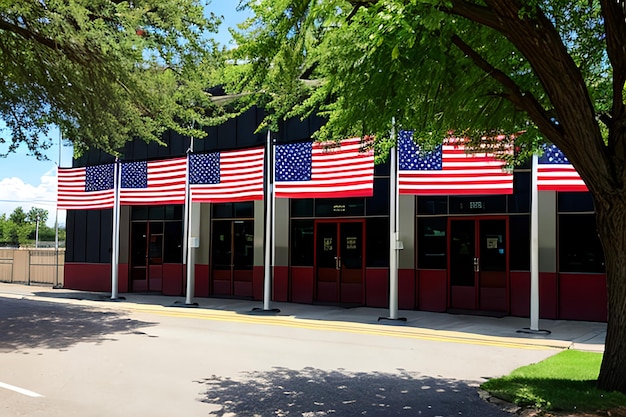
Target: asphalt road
point(91, 359)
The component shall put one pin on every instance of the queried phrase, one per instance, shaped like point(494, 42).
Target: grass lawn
point(565, 381)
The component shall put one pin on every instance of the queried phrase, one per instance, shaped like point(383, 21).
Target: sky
point(27, 182)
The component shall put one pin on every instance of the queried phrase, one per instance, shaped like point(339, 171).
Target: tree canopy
point(552, 69)
point(104, 71)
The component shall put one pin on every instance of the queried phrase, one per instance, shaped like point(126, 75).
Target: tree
point(104, 71)
point(552, 69)
point(35, 215)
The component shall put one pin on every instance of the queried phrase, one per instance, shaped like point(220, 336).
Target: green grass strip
point(565, 381)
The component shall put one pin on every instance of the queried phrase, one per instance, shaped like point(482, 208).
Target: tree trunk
point(611, 224)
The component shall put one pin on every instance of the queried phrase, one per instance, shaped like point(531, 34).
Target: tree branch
point(615, 29)
point(476, 13)
point(523, 100)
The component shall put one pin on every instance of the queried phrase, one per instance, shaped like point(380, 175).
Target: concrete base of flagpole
point(184, 304)
point(264, 311)
point(391, 321)
point(540, 332)
point(115, 299)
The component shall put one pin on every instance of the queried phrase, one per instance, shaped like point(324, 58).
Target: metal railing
point(32, 266)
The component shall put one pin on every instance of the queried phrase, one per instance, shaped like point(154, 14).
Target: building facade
point(466, 254)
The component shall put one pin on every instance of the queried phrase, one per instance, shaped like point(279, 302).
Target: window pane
point(245, 209)
point(223, 210)
point(572, 202)
point(302, 207)
point(377, 242)
point(519, 241)
point(478, 204)
point(157, 212)
point(431, 243)
point(579, 246)
point(139, 213)
point(334, 207)
point(432, 205)
point(173, 242)
point(302, 242)
point(174, 212)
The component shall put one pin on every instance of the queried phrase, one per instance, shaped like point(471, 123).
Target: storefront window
point(519, 201)
point(575, 202)
point(519, 241)
point(377, 242)
point(431, 243)
point(579, 246)
point(302, 243)
point(339, 207)
point(432, 205)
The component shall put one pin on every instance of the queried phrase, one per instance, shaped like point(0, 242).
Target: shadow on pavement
point(315, 393)
point(27, 324)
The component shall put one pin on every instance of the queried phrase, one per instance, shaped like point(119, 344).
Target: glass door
point(146, 261)
point(339, 261)
point(232, 253)
point(478, 264)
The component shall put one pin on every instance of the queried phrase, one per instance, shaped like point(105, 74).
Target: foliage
point(536, 71)
point(565, 381)
point(105, 71)
point(19, 228)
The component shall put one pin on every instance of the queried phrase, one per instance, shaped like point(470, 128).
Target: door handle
point(476, 265)
point(337, 262)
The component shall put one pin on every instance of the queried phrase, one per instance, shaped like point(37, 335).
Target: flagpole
point(393, 230)
point(56, 220)
point(191, 278)
point(116, 232)
point(269, 229)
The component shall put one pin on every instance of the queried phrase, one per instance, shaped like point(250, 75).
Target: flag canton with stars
point(553, 155)
point(99, 177)
point(411, 158)
point(293, 161)
point(135, 174)
point(204, 168)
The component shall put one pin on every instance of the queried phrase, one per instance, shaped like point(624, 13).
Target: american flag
point(228, 176)
point(555, 173)
point(324, 170)
point(86, 188)
point(153, 182)
point(449, 170)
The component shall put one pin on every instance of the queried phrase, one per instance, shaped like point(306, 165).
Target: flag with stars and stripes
point(153, 182)
point(226, 177)
point(86, 188)
point(449, 170)
point(555, 173)
point(324, 170)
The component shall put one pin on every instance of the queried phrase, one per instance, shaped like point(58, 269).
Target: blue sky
point(27, 182)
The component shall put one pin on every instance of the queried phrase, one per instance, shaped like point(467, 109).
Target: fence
point(32, 266)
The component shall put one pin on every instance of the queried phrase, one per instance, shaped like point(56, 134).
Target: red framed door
point(478, 265)
point(339, 261)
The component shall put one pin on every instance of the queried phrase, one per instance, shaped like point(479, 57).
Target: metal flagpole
point(116, 232)
point(189, 244)
point(394, 245)
point(534, 253)
point(269, 228)
point(56, 220)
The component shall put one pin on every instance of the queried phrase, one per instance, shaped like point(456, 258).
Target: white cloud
point(14, 192)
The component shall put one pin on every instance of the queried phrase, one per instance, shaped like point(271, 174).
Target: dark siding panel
point(70, 228)
point(106, 235)
point(93, 238)
point(79, 236)
point(227, 135)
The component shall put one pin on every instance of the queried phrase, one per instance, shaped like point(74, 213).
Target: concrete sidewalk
point(555, 333)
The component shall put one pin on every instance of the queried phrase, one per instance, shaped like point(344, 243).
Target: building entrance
point(478, 267)
point(232, 248)
point(339, 261)
point(146, 257)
